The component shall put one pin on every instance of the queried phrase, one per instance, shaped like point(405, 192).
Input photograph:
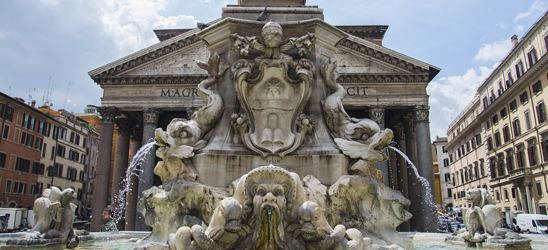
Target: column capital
point(137, 133)
point(399, 131)
point(409, 122)
point(151, 115)
point(125, 125)
point(376, 113)
point(108, 114)
point(421, 113)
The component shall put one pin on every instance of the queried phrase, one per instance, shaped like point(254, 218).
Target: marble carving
point(54, 218)
point(271, 207)
point(483, 224)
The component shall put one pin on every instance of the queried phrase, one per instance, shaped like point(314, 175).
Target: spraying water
point(424, 182)
point(137, 160)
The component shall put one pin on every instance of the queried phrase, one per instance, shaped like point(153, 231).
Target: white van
point(536, 223)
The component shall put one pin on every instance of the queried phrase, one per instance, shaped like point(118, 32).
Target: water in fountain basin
point(137, 160)
point(424, 182)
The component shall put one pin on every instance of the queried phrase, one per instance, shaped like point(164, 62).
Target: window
point(519, 69)
point(38, 143)
point(478, 139)
point(466, 177)
point(23, 138)
point(513, 193)
point(8, 186)
point(532, 56)
point(468, 146)
point(35, 167)
point(22, 188)
point(517, 130)
point(506, 133)
point(527, 116)
point(489, 143)
point(485, 103)
point(532, 152)
point(458, 152)
point(473, 142)
point(509, 160)
point(9, 113)
point(497, 195)
point(539, 189)
point(513, 105)
point(541, 112)
point(73, 155)
point(520, 156)
point(81, 176)
point(80, 194)
point(447, 177)
point(443, 149)
point(72, 137)
point(482, 168)
point(523, 98)
point(476, 170)
point(500, 165)
point(32, 189)
point(6, 132)
point(501, 89)
point(505, 193)
point(77, 140)
point(44, 150)
point(503, 113)
point(446, 162)
point(510, 80)
point(449, 193)
point(22, 165)
point(2, 159)
point(493, 167)
point(61, 151)
point(544, 146)
point(497, 139)
point(487, 124)
point(58, 170)
point(2, 107)
point(537, 87)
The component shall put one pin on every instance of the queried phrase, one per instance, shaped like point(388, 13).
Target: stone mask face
point(269, 195)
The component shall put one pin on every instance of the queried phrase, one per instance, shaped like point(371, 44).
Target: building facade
point(445, 187)
point(498, 142)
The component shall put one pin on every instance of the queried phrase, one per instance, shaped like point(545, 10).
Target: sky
point(47, 47)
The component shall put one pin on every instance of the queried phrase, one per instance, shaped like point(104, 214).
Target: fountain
point(271, 207)
point(483, 225)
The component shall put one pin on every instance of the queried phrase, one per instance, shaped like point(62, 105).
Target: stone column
point(125, 126)
point(426, 168)
point(399, 136)
point(150, 123)
point(414, 191)
point(131, 198)
point(102, 176)
point(377, 114)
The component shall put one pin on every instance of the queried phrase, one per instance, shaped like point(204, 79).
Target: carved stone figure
point(223, 232)
point(482, 223)
point(184, 136)
point(54, 217)
point(271, 44)
point(357, 138)
point(316, 231)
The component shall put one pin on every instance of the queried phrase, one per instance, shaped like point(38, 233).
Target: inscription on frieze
point(179, 92)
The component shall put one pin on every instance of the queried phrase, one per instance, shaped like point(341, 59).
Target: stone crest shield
point(273, 101)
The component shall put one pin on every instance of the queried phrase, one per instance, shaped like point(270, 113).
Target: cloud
point(129, 22)
point(501, 25)
point(537, 9)
point(495, 51)
point(450, 95)
point(519, 28)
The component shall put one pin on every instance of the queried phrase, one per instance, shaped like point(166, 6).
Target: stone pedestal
point(131, 196)
point(426, 169)
point(102, 176)
point(150, 123)
point(120, 166)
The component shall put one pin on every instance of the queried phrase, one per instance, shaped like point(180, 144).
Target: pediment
point(357, 56)
point(181, 62)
